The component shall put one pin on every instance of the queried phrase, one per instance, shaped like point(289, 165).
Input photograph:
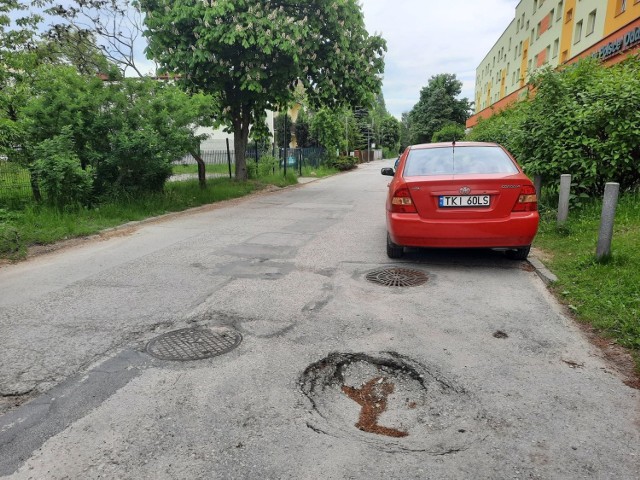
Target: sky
point(428, 37)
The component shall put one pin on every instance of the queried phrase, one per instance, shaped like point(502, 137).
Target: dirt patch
point(620, 358)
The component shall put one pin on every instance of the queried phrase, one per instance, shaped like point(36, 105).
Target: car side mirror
point(388, 171)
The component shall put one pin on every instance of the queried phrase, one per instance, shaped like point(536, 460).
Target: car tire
point(393, 250)
point(519, 253)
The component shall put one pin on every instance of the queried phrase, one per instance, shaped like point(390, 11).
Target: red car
point(460, 195)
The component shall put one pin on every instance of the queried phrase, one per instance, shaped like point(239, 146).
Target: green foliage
point(267, 165)
point(328, 127)
point(128, 131)
point(449, 133)
point(344, 163)
point(584, 120)
point(604, 294)
point(390, 132)
point(11, 245)
point(437, 107)
point(254, 55)
point(503, 128)
point(303, 130)
point(60, 176)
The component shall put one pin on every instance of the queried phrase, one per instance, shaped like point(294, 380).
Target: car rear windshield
point(458, 161)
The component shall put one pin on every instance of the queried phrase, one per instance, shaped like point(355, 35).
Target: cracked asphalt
point(475, 374)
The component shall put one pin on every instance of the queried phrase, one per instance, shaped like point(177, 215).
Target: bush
point(137, 163)
point(10, 244)
point(61, 179)
point(266, 166)
point(583, 121)
point(344, 163)
point(449, 133)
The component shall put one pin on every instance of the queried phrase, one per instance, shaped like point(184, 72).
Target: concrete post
point(537, 183)
point(563, 203)
point(606, 221)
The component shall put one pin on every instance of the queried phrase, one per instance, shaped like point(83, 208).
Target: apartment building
point(553, 33)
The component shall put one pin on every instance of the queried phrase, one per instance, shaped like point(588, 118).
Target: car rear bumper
point(409, 230)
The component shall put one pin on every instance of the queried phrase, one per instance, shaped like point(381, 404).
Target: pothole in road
point(194, 343)
point(397, 277)
point(390, 401)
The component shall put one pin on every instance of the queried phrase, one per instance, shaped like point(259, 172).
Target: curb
point(543, 272)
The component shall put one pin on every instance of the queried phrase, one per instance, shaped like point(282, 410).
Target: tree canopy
point(437, 107)
point(253, 54)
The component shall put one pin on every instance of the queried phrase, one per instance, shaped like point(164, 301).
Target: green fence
point(15, 183)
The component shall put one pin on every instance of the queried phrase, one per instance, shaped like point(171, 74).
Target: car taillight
point(527, 201)
point(402, 202)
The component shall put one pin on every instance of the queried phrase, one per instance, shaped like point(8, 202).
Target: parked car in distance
point(460, 195)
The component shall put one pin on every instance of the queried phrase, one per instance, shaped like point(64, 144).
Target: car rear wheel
point(393, 250)
point(519, 253)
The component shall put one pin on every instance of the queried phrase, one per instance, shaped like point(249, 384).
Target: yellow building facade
point(552, 33)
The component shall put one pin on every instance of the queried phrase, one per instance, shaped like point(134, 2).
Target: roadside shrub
point(266, 166)
point(344, 163)
point(60, 177)
point(137, 163)
point(449, 133)
point(10, 244)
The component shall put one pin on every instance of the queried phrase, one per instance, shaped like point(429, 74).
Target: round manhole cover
point(391, 402)
point(397, 277)
point(194, 343)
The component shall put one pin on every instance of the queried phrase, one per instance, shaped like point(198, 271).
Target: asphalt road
point(475, 373)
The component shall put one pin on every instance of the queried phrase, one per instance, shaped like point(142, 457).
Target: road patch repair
point(391, 402)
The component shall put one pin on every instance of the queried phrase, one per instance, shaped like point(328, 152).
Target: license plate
point(464, 201)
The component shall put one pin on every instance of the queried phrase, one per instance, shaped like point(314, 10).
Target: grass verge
point(604, 294)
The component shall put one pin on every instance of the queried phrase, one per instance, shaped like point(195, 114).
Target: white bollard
point(609, 205)
point(563, 203)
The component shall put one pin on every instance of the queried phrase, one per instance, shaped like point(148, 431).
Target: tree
point(449, 133)
point(253, 55)
point(328, 128)
point(437, 107)
point(114, 25)
point(77, 48)
point(390, 132)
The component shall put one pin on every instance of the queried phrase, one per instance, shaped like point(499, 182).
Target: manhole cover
point(397, 277)
point(390, 401)
point(194, 343)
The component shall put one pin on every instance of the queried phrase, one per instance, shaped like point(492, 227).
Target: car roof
point(449, 144)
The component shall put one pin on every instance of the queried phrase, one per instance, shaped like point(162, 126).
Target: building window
point(538, 31)
point(591, 22)
point(556, 47)
point(569, 16)
point(548, 54)
point(578, 32)
point(565, 56)
point(621, 7)
point(532, 36)
point(535, 5)
point(559, 11)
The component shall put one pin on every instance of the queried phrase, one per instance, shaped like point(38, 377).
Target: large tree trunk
point(240, 141)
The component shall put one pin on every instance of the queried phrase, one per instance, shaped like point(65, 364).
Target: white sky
point(428, 37)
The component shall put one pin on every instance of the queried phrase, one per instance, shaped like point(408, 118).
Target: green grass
point(41, 225)
point(605, 294)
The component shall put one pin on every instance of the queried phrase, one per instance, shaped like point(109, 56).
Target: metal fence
point(296, 157)
point(15, 183)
